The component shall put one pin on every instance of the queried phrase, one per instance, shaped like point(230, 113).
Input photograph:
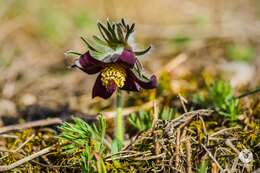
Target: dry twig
point(188, 155)
point(38, 123)
point(212, 157)
point(177, 158)
point(183, 102)
point(26, 159)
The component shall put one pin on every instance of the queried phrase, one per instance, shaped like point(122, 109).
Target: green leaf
point(141, 121)
point(129, 31)
point(106, 52)
point(88, 45)
point(138, 53)
point(105, 33)
point(80, 134)
point(101, 166)
point(99, 41)
point(120, 33)
point(167, 113)
point(112, 30)
point(203, 166)
point(123, 22)
point(86, 157)
point(73, 53)
point(220, 96)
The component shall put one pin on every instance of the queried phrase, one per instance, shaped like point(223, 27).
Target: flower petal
point(89, 64)
point(149, 84)
point(130, 84)
point(100, 90)
point(127, 58)
point(142, 80)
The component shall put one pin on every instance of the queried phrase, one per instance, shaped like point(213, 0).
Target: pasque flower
point(115, 61)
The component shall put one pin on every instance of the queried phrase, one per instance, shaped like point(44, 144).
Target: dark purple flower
point(115, 71)
point(118, 68)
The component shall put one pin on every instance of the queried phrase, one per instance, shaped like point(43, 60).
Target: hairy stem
point(119, 117)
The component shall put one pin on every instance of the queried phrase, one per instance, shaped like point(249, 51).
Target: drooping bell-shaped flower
point(115, 61)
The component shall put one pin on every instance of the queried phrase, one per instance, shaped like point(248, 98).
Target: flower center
point(115, 74)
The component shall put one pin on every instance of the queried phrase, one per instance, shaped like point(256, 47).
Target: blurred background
point(196, 37)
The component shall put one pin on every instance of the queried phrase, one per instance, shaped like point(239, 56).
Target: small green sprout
point(167, 113)
point(88, 139)
point(240, 52)
point(220, 96)
point(143, 119)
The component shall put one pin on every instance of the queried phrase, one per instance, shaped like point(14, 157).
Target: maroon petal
point(111, 87)
point(127, 58)
point(149, 84)
point(130, 84)
point(89, 64)
point(100, 90)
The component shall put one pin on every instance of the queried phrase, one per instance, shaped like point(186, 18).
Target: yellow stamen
point(115, 73)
